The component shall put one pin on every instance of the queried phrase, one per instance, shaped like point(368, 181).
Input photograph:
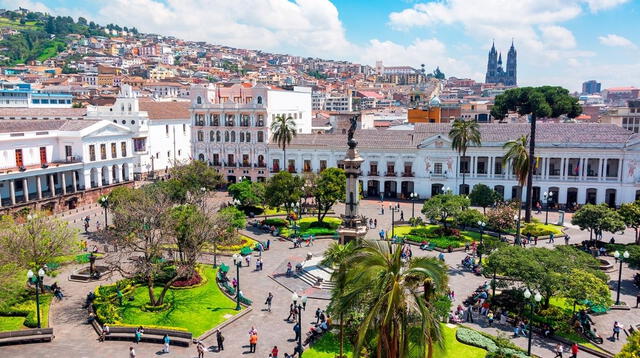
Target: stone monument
point(353, 227)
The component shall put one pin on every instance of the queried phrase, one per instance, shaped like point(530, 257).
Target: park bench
point(27, 336)
point(153, 335)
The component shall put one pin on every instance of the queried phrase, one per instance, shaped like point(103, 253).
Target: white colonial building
point(231, 125)
point(578, 163)
point(52, 163)
point(161, 130)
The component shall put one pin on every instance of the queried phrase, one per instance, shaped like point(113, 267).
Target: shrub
point(485, 341)
point(538, 229)
point(416, 221)
point(193, 281)
point(323, 224)
point(277, 222)
point(442, 231)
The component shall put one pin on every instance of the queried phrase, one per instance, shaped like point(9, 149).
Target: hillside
point(40, 36)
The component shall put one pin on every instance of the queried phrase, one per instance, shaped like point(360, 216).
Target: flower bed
point(435, 235)
point(23, 314)
point(485, 341)
point(311, 226)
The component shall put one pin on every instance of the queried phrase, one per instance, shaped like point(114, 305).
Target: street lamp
point(625, 255)
point(237, 260)
point(447, 190)
point(299, 307)
point(37, 280)
point(516, 218)
point(413, 197)
point(547, 197)
point(394, 209)
point(104, 202)
point(481, 224)
point(536, 298)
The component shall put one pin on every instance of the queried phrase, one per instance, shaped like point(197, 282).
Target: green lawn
point(306, 228)
point(11, 323)
point(196, 310)
point(426, 233)
point(328, 346)
point(6, 22)
point(23, 315)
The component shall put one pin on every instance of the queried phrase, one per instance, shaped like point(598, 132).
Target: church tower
point(511, 66)
point(492, 64)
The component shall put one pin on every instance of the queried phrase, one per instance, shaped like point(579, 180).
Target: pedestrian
point(558, 351)
point(104, 332)
point(538, 208)
point(382, 210)
point(138, 334)
point(637, 300)
point(616, 330)
point(566, 239)
point(292, 312)
point(268, 301)
point(268, 244)
point(166, 342)
point(97, 225)
point(296, 330)
point(248, 259)
point(253, 330)
point(574, 350)
point(253, 342)
point(220, 340)
point(401, 215)
point(490, 318)
point(274, 352)
point(375, 222)
point(551, 240)
point(318, 315)
point(132, 352)
point(322, 316)
point(470, 313)
point(200, 349)
point(535, 240)
point(289, 272)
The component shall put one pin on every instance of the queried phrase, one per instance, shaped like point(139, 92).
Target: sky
point(559, 42)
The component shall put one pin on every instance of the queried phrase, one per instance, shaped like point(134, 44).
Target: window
point(212, 136)
point(103, 151)
point(68, 152)
point(276, 165)
point(43, 155)
point(92, 153)
point(259, 99)
point(216, 159)
point(200, 136)
point(248, 138)
point(260, 137)
point(241, 137)
point(245, 160)
point(230, 160)
point(218, 136)
point(123, 148)
point(168, 154)
point(166, 129)
point(291, 165)
point(323, 165)
point(245, 120)
point(199, 100)
point(184, 128)
point(139, 144)
point(216, 120)
point(114, 153)
point(226, 136)
point(437, 168)
point(201, 156)
point(307, 165)
point(233, 137)
point(19, 158)
point(261, 160)
point(260, 122)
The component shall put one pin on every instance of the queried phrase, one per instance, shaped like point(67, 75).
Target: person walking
point(132, 352)
point(558, 350)
point(566, 240)
point(616, 330)
point(574, 350)
point(490, 318)
point(274, 352)
point(248, 259)
point(166, 341)
point(200, 349)
point(292, 312)
point(296, 330)
point(470, 313)
point(551, 240)
point(637, 300)
point(318, 311)
point(253, 342)
point(220, 340)
point(375, 223)
point(268, 301)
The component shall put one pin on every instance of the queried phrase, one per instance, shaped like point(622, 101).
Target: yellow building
point(428, 115)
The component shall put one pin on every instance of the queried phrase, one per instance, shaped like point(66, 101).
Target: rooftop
point(166, 110)
point(39, 113)
point(33, 125)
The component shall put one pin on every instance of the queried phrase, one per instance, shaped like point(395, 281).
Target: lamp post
point(104, 202)
point(447, 190)
point(516, 218)
point(413, 197)
point(547, 197)
point(536, 298)
point(299, 307)
point(37, 280)
point(394, 209)
point(625, 255)
point(215, 246)
point(237, 260)
point(481, 224)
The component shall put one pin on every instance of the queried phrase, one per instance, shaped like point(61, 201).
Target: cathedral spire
point(500, 59)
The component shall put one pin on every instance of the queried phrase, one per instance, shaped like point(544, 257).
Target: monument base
point(348, 234)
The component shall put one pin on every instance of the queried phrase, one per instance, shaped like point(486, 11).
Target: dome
point(435, 102)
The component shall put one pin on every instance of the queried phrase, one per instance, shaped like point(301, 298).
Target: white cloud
point(597, 5)
point(613, 40)
point(558, 36)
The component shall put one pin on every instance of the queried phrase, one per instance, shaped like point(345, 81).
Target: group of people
point(373, 223)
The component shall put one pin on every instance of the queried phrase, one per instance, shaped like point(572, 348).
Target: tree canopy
point(597, 219)
point(330, 186)
point(444, 206)
point(630, 213)
point(247, 193)
point(482, 196)
point(541, 102)
point(283, 189)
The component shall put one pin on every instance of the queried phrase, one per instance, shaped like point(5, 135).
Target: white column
point(64, 183)
point(583, 169)
point(12, 189)
point(620, 163)
point(491, 168)
point(601, 170)
point(545, 168)
point(109, 178)
point(74, 180)
point(52, 185)
point(39, 185)
point(25, 189)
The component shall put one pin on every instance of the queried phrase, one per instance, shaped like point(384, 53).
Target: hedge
point(477, 339)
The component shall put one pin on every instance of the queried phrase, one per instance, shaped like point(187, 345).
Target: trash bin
point(560, 218)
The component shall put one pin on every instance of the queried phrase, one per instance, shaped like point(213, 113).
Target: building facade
point(591, 87)
point(231, 125)
point(495, 72)
point(578, 163)
point(21, 95)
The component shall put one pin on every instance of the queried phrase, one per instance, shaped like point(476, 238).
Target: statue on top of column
point(354, 123)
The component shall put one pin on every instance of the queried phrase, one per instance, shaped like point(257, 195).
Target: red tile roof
point(166, 110)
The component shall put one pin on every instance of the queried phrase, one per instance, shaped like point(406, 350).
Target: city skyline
point(557, 42)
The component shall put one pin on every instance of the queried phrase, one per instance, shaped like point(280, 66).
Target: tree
point(463, 134)
point(196, 175)
point(387, 291)
point(536, 102)
point(582, 285)
point(249, 194)
point(630, 213)
point(330, 187)
point(470, 217)
point(34, 243)
point(235, 216)
point(284, 189)
point(597, 219)
point(437, 74)
point(444, 206)
point(631, 348)
point(284, 129)
point(500, 218)
point(483, 196)
point(517, 155)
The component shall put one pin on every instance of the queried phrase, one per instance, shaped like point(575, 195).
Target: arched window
point(248, 138)
point(199, 100)
point(200, 136)
point(216, 120)
point(218, 136)
point(233, 136)
point(122, 108)
point(212, 136)
point(226, 136)
point(241, 137)
point(129, 107)
point(201, 157)
point(259, 99)
point(260, 137)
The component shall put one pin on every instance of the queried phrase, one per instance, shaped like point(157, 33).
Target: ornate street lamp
point(237, 260)
point(547, 198)
point(481, 224)
point(625, 255)
point(299, 307)
point(536, 299)
point(37, 280)
point(413, 197)
point(394, 209)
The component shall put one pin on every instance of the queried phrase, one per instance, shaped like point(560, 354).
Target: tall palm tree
point(518, 154)
point(397, 317)
point(284, 129)
point(463, 134)
point(334, 257)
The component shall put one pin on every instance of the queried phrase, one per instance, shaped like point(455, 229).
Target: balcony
point(217, 164)
point(261, 165)
point(438, 175)
point(373, 173)
point(408, 174)
point(275, 170)
point(245, 165)
point(390, 174)
point(292, 170)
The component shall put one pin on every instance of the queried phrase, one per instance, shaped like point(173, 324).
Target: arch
point(499, 189)
point(241, 137)
point(553, 199)
point(201, 157)
point(94, 177)
point(592, 194)
point(406, 188)
point(129, 107)
point(122, 107)
point(436, 189)
point(248, 137)
point(259, 99)
point(233, 136)
point(260, 137)
point(199, 100)
point(125, 172)
point(226, 136)
point(115, 174)
point(218, 136)
point(105, 176)
point(572, 197)
point(373, 188)
point(610, 197)
point(390, 189)
point(212, 136)
point(516, 193)
point(200, 136)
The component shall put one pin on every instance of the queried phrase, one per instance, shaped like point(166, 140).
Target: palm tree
point(463, 134)
point(334, 257)
point(284, 129)
point(397, 317)
point(518, 154)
